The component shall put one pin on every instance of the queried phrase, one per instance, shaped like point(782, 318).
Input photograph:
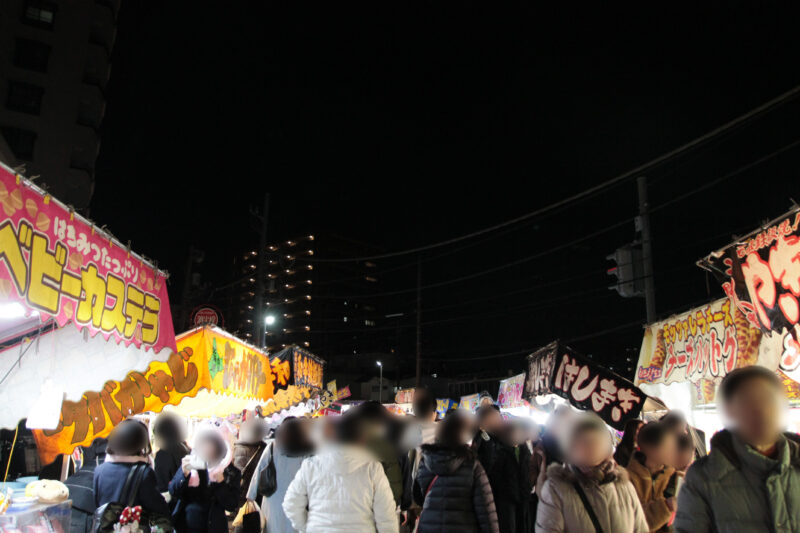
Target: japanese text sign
point(586, 385)
point(307, 369)
point(208, 359)
point(541, 365)
point(705, 343)
point(57, 263)
point(510, 393)
point(96, 414)
point(761, 274)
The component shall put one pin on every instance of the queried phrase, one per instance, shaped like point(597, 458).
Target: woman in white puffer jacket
point(342, 489)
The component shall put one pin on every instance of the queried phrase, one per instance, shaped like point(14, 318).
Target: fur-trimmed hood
point(567, 474)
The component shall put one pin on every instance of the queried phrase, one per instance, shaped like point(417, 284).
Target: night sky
point(401, 124)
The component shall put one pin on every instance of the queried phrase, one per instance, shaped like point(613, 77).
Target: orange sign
point(207, 359)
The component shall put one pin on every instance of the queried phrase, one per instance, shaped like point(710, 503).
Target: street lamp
point(268, 321)
point(380, 393)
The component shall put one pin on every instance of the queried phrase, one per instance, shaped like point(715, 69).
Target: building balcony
point(98, 67)
point(103, 27)
point(91, 108)
point(85, 146)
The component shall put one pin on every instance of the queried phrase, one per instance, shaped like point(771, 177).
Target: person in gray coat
point(750, 482)
point(610, 497)
point(287, 452)
point(451, 485)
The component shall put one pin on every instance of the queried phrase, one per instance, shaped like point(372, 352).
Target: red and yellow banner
point(704, 344)
point(59, 264)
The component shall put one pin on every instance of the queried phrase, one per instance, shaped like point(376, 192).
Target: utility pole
point(419, 322)
point(261, 274)
point(647, 250)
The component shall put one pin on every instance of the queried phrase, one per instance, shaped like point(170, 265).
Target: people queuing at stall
point(372, 471)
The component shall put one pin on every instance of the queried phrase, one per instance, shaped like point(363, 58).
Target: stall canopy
point(77, 307)
point(212, 374)
point(683, 358)
point(557, 369)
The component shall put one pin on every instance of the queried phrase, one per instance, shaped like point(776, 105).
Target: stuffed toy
point(47, 491)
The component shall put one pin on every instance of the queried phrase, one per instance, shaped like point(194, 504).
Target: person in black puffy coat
point(451, 485)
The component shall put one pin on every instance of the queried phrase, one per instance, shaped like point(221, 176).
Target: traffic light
point(628, 270)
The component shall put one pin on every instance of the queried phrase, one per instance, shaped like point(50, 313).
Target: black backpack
point(107, 515)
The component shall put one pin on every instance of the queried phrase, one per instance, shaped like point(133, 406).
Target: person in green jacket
point(750, 482)
point(376, 419)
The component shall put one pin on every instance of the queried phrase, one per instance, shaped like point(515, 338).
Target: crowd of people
point(370, 471)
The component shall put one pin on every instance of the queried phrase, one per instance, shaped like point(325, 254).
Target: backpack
point(112, 513)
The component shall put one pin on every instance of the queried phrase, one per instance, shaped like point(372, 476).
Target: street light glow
point(269, 320)
point(379, 363)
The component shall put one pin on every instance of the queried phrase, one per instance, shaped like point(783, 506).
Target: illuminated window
point(38, 13)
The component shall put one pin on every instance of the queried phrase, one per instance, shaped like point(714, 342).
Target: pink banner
point(510, 394)
point(57, 263)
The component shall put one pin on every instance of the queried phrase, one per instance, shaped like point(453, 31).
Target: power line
point(560, 247)
point(699, 141)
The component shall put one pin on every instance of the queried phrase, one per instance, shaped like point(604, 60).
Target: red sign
point(206, 316)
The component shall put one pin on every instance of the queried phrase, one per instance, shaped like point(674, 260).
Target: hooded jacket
point(454, 492)
point(202, 504)
point(614, 503)
point(343, 489)
point(651, 491)
point(735, 489)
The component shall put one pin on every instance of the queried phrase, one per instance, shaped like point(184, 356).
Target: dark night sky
point(401, 124)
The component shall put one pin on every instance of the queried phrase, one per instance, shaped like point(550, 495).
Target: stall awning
point(213, 374)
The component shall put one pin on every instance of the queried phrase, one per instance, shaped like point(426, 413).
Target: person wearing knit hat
point(207, 484)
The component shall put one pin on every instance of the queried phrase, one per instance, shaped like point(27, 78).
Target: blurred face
point(207, 449)
point(756, 411)
point(664, 453)
point(684, 459)
point(589, 449)
point(492, 422)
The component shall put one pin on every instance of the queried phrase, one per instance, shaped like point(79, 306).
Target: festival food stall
point(212, 374)
point(557, 374)
point(77, 306)
point(684, 358)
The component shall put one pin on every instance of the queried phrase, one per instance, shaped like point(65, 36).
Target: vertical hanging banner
point(541, 367)
point(510, 394)
point(443, 405)
point(585, 384)
point(307, 368)
point(59, 264)
point(760, 273)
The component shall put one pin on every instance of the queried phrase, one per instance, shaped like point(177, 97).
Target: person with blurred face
point(627, 445)
point(684, 455)
point(451, 487)
point(590, 492)
point(498, 455)
point(750, 482)
point(651, 473)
